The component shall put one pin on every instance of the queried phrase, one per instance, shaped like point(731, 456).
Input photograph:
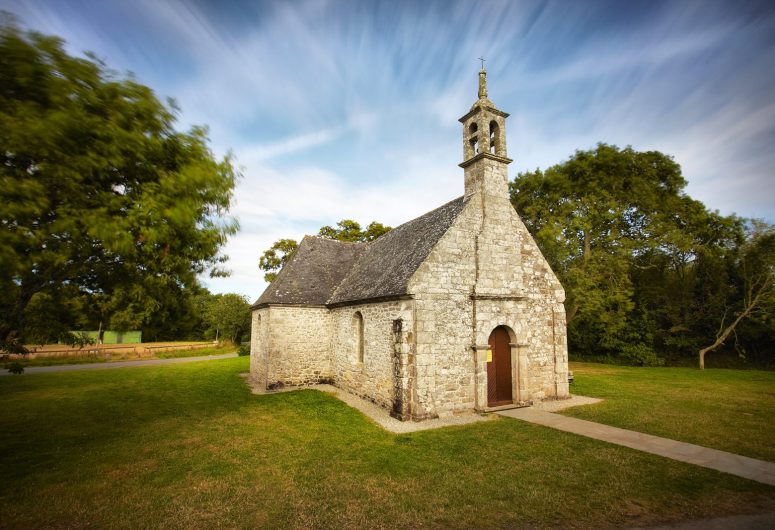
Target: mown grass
point(187, 446)
point(731, 410)
point(109, 356)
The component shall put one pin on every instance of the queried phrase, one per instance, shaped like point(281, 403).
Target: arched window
point(358, 335)
point(494, 140)
point(474, 140)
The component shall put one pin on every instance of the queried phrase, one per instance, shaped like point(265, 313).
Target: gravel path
point(383, 418)
point(379, 415)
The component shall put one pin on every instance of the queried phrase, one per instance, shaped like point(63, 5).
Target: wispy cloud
point(349, 109)
point(289, 145)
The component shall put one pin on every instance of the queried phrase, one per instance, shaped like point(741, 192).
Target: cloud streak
point(349, 110)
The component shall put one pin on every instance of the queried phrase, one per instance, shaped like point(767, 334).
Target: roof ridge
point(428, 212)
point(324, 238)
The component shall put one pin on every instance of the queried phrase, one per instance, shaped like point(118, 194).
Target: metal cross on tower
point(482, 59)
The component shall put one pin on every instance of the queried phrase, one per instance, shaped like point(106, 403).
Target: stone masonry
point(405, 321)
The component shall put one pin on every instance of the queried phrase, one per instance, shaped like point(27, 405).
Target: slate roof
point(323, 271)
point(389, 261)
point(312, 273)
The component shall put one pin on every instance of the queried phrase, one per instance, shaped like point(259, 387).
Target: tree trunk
point(571, 313)
point(702, 356)
point(730, 328)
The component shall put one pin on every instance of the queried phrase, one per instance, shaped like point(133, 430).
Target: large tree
point(101, 199)
point(273, 259)
point(617, 227)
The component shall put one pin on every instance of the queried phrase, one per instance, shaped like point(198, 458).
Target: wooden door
point(499, 369)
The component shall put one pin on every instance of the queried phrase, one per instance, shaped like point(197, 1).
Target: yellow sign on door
point(489, 356)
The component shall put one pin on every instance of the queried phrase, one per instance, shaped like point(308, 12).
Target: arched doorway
point(499, 372)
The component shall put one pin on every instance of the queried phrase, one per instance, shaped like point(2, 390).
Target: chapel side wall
point(259, 343)
point(383, 376)
point(547, 333)
point(297, 350)
point(528, 300)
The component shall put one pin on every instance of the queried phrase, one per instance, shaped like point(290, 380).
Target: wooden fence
point(137, 350)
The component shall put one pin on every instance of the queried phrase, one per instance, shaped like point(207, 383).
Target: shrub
point(15, 367)
point(641, 355)
point(244, 349)
point(79, 339)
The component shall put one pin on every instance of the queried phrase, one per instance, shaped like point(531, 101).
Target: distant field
point(149, 346)
point(731, 410)
point(189, 447)
point(55, 354)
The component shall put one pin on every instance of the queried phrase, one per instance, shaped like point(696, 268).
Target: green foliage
point(80, 340)
point(273, 259)
point(15, 367)
point(756, 304)
point(226, 316)
point(640, 355)
point(279, 253)
point(106, 208)
point(646, 269)
point(349, 230)
point(244, 349)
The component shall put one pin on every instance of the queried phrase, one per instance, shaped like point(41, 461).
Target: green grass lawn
point(118, 357)
point(187, 446)
point(731, 410)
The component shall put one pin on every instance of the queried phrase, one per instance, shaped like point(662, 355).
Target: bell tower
point(484, 146)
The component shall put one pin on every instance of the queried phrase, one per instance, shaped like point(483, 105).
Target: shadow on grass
point(189, 446)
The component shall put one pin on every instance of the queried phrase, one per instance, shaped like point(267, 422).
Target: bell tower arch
point(484, 146)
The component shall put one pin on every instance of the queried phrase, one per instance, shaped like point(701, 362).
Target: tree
point(100, 198)
point(614, 223)
point(349, 230)
point(227, 315)
point(274, 258)
point(756, 266)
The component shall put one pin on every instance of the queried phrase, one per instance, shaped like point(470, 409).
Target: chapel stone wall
point(383, 376)
point(293, 348)
point(486, 271)
point(259, 344)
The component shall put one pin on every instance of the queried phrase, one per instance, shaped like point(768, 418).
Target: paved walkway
point(119, 364)
point(764, 521)
point(741, 466)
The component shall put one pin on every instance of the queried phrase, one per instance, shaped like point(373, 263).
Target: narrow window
point(474, 141)
point(358, 335)
point(255, 333)
point(494, 138)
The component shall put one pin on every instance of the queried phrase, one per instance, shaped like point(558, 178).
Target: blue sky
point(348, 109)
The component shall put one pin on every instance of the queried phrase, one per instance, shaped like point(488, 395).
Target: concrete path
point(741, 466)
point(118, 364)
point(764, 521)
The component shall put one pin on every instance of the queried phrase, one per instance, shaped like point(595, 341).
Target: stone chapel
point(454, 311)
